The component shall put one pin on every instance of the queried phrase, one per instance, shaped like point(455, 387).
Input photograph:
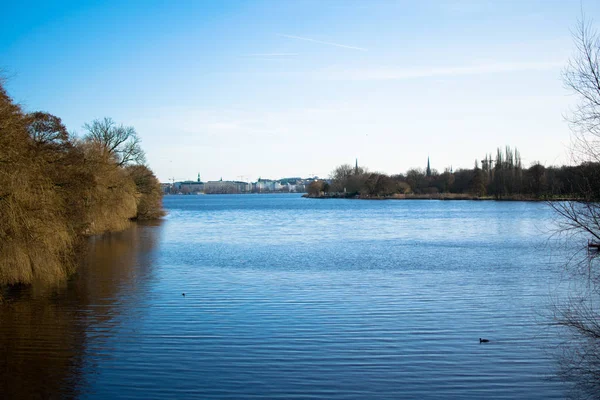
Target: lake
point(287, 297)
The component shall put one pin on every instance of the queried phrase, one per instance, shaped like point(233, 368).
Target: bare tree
point(117, 141)
point(46, 129)
point(580, 219)
point(582, 76)
point(347, 178)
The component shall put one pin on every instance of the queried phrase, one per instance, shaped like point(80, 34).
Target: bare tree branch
point(581, 219)
point(116, 141)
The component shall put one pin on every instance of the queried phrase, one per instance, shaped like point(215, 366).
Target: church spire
point(356, 167)
point(428, 172)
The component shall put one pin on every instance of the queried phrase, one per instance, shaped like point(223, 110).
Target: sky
point(246, 89)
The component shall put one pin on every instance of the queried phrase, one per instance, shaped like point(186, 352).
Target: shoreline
point(439, 196)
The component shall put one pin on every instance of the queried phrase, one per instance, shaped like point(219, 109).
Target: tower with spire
point(428, 171)
point(356, 167)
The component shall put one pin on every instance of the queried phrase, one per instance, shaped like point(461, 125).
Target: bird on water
point(483, 340)
point(183, 294)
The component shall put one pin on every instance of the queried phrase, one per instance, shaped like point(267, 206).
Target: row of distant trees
point(56, 188)
point(501, 176)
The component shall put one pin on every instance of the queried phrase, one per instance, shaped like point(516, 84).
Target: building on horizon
point(226, 187)
point(187, 187)
point(284, 185)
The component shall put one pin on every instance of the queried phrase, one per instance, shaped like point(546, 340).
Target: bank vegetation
point(501, 177)
point(56, 189)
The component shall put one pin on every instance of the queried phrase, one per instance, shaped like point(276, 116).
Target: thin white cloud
point(467, 7)
point(380, 73)
point(322, 42)
point(271, 55)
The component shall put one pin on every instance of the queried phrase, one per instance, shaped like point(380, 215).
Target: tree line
point(57, 188)
point(501, 176)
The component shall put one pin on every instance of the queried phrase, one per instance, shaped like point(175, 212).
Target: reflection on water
point(578, 311)
point(42, 346)
point(46, 333)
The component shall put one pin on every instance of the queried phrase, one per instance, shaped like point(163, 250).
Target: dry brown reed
point(55, 192)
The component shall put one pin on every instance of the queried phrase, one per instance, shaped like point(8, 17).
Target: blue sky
point(242, 89)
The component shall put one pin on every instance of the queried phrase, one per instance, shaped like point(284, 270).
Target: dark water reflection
point(48, 335)
point(295, 298)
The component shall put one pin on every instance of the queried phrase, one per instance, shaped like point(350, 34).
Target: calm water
point(295, 298)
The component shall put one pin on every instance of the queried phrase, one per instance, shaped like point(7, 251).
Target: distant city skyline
point(277, 89)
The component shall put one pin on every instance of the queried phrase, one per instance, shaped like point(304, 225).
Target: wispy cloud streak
point(373, 74)
point(322, 42)
point(271, 55)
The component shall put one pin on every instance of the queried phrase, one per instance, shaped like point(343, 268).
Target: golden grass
point(50, 197)
point(149, 200)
